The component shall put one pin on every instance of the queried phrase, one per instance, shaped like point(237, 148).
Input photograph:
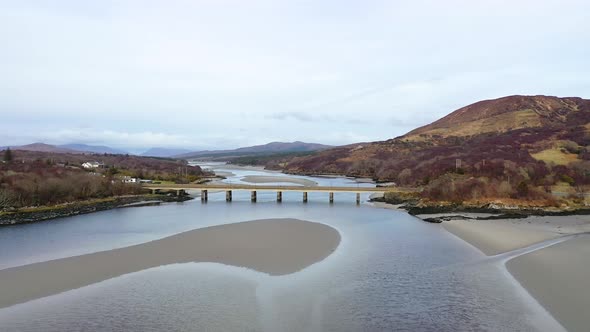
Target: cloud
point(232, 73)
point(299, 116)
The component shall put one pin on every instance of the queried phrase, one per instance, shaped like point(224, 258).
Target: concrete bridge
point(229, 188)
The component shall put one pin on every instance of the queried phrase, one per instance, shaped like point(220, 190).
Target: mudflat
point(497, 236)
point(282, 179)
point(557, 276)
point(272, 246)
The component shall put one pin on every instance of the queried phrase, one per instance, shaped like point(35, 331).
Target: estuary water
point(391, 272)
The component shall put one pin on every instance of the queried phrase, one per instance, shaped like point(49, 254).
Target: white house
point(128, 179)
point(92, 164)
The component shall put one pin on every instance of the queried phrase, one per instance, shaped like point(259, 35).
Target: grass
point(556, 156)
point(499, 123)
point(163, 182)
point(60, 206)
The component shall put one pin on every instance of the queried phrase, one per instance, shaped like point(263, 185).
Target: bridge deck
point(226, 187)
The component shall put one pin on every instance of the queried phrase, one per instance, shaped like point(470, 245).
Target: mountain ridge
point(92, 148)
point(163, 152)
point(501, 115)
point(272, 147)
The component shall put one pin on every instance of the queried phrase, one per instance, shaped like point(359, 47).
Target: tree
point(522, 189)
point(7, 155)
point(6, 199)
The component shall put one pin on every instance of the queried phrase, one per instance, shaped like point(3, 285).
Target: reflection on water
point(390, 272)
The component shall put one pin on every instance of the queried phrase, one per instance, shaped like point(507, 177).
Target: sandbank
point(558, 276)
point(497, 236)
point(272, 246)
point(281, 179)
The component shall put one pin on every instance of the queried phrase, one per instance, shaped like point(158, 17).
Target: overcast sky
point(222, 74)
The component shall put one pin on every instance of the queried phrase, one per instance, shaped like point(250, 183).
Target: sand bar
point(281, 179)
point(558, 278)
point(497, 236)
point(273, 246)
point(224, 174)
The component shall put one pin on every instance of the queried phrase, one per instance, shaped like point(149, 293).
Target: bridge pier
point(204, 195)
point(305, 197)
point(331, 197)
point(358, 198)
point(228, 196)
point(253, 196)
point(279, 196)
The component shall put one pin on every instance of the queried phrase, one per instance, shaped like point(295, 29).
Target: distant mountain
point(42, 147)
point(92, 148)
point(273, 147)
point(164, 152)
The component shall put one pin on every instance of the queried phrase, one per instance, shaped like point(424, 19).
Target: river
point(391, 272)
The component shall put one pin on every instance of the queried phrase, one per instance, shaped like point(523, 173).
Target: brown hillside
point(498, 148)
point(502, 115)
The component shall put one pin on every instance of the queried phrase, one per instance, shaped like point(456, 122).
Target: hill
point(487, 149)
point(92, 148)
point(42, 147)
point(164, 152)
point(36, 178)
point(503, 115)
point(270, 148)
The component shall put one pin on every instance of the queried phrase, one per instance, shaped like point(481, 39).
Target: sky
point(212, 74)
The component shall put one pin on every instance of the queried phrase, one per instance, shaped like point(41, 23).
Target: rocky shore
point(416, 207)
point(36, 214)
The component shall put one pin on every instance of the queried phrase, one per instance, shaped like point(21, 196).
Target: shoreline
point(272, 246)
point(409, 203)
point(555, 275)
point(497, 236)
point(51, 212)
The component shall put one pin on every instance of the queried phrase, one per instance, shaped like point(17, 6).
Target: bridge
point(229, 188)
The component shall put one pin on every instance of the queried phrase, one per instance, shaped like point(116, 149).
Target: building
point(128, 179)
point(92, 164)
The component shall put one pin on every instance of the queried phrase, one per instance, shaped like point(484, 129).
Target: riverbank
point(43, 213)
point(411, 202)
point(556, 275)
point(272, 246)
point(497, 236)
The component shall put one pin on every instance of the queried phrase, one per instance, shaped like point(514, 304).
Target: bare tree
point(6, 199)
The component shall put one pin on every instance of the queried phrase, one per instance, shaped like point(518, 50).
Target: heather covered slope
point(471, 153)
point(505, 114)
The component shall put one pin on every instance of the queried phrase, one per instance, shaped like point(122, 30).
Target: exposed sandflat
point(497, 236)
point(558, 278)
point(273, 246)
point(274, 179)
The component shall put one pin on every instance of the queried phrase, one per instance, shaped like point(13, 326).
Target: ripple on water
point(389, 273)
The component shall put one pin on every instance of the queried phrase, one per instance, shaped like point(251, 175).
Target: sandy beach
point(272, 246)
point(497, 236)
point(556, 276)
point(273, 179)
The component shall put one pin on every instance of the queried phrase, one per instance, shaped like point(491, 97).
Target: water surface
point(390, 272)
